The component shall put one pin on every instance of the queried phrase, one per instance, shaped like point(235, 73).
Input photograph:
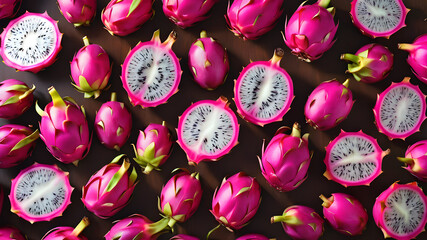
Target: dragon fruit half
point(8, 8)
point(90, 69)
point(68, 233)
point(64, 128)
point(311, 30)
point(15, 98)
point(11, 233)
point(286, 159)
point(416, 160)
point(417, 58)
point(183, 237)
point(78, 12)
point(185, 13)
point(123, 17)
point(16, 144)
point(110, 189)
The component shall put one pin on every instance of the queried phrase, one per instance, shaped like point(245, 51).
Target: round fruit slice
point(353, 159)
point(30, 42)
point(151, 72)
point(400, 110)
point(207, 130)
point(40, 193)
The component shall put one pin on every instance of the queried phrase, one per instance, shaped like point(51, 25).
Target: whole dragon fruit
point(185, 13)
point(11, 233)
point(252, 237)
point(16, 144)
point(78, 12)
point(90, 69)
point(417, 58)
point(183, 237)
point(113, 123)
point(68, 233)
point(249, 19)
point(8, 8)
point(153, 147)
point(301, 222)
point(123, 17)
point(15, 98)
point(416, 160)
point(64, 128)
point(110, 189)
point(286, 159)
point(311, 30)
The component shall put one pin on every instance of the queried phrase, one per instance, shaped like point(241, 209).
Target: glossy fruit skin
point(185, 13)
point(416, 160)
point(252, 237)
point(11, 233)
point(183, 237)
point(68, 233)
point(78, 12)
point(417, 58)
point(8, 7)
point(15, 98)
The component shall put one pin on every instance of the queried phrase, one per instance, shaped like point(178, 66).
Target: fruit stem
point(158, 227)
point(56, 98)
point(148, 169)
point(296, 130)
point(327, 202)
point(350, 57)
point(278, 55)
point(408, 161)
point(203, 34)
point(113, 97)
point(86, 41)
point(346, 83)
point(288, 219)
point(211, 231)
point(405, 46)
point(323, 3)
point(80, 227)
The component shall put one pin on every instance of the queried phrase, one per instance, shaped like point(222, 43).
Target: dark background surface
point(306, 76)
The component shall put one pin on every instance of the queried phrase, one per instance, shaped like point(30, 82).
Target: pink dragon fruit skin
point(345, 213)
point(90, 69)
point(417, 58)
point(328, 105)
point(249, 19)
point(110, 189)
point(183, 237)
point(123, 17)
point(11, 233)
point(8, 7)
point(64, 128)
point(185, 13)
point(208, 62)
point(301, 223)
point(311, 30)
point(286, 159)
point(253, 237)
point(16, 144)
point(416, 160)
point(78, 12)
point(68, 233)
point(113, 124)
point(371, 63)
point(15, 98)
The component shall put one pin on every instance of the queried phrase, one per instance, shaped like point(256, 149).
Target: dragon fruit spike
point(185, 13)
point(15, 98)
point(11, 233)
point(416, 160)
point(78, 12)
point(183, 237)
point(8, 8)
point(68, 233)
point(417, 56)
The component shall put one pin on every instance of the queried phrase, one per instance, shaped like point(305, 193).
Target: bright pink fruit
point(8, 8)
point(185, 13)
point(345, 213)
point(417, 58)
point(416, 160)
point(183, 237)
point(252, 237)
point(78, 12)
point(68, 233)
point(11, 233)
point(15, 98)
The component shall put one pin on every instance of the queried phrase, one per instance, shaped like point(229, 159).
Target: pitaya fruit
point(64, 128)
point(185, 13)
point(183, 237)
point(208, 62)
point(301, 223)
point(371, 63)
point(123, 17)
point(345, 213)
point(78, 12)
point(286, 159)
point(8, 8)
point(252, 237)
point(16, 144)
point(90, 69)
point(311, 30)
point(416, 160)
point(328, 105)
point(400, 211)
point(15, 98)
point(30, 42)
point(11, 233)
point(249, 19)
point(110, 189)
point(417, 58)
point(113, 123)
point(68, 233)
point(153, 147)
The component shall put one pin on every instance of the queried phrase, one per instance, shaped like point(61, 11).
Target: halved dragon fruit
point(378, 18)
point(78, 12)
point(68, 233)
point(416, 160)
point(11, 233)
point(30, 42)
point(353, 159)
point(183, 237)
point(252, 237)
point(8, 8)
point(264, 91)
point(417, 58)
point(40, 193)
point(15, 98)
point(400, 211)
point(185, 13)
point(400, 110)
point(207, 130)
point(151, 72)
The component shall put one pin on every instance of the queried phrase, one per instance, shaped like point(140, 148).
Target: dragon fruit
point(328, 105)
point(68, 233)
point(301, 223)
point(153, 147)
point(416, 160)
point(8, 8)
point(64, 128)
point(253, 237)
point(185, 13)
point(371, 63)
point(208, 62)
point(15, 98)
point(286, 159)
point(30, 42)
point(311, 30)
point(123, 17)
point(345, 213)
point(16, 144)
point(90, 69)
point(110, 189)
point(249, 19)
point(183, 237)
point(78, 12)
point(400, 211)
point(11, 233)
point(113, 123)
point(417, 58)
